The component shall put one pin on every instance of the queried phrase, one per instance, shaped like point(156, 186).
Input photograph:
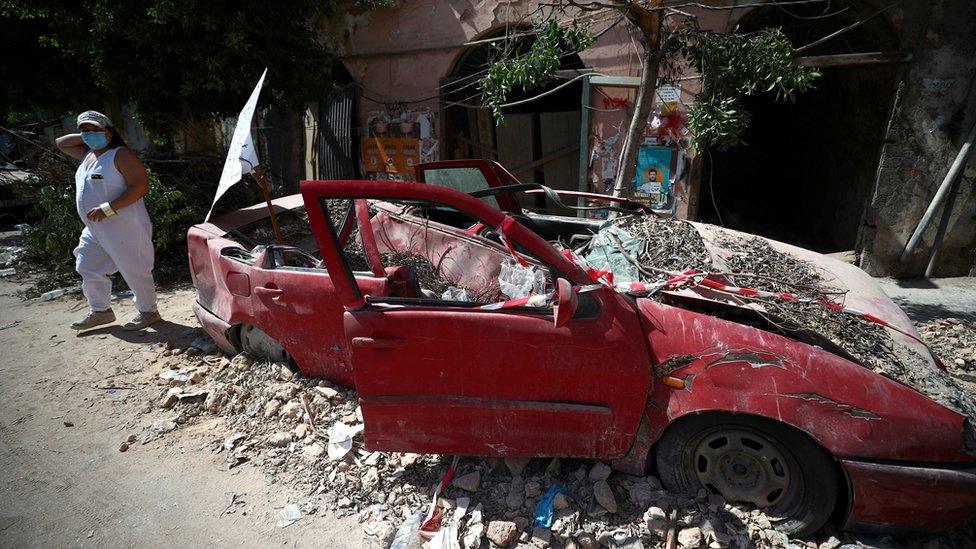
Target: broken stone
point(291, 410)
point(384, 532)
point(502, 533)
point(313, 451)
point(163, 426)
point(600, 471)
point(470, 482)
point(831, 543)
point(517, 464)
point(301, 431)
point(124, 446)
point(271, 408)
point(560, 502)
point(642, 494)
point(604, 496)
point(516, 493)
point(216, 400)
point(328, 392)
point(171, 398)
point(656, 520)
point(587, 540)
point(541, 535)
point(690, 537)
point(533, 489)
point(279, 439)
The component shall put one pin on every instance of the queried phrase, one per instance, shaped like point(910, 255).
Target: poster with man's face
point(652, 182)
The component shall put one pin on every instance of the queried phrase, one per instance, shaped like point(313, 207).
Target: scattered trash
point(517, 281)
point(543, 509)
point(7, 272)
point(24, 228)
point(9, 255)
point(454, 293)
point(447, 538)
point(290, 514)
point(340, 439)
point(409, 531)
point(54, 294)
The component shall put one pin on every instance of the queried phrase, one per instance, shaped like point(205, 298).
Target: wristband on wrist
point(107, 209)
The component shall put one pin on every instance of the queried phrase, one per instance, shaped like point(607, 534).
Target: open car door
point(449, 373)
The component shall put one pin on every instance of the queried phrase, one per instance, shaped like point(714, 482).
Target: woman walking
point(109, 186)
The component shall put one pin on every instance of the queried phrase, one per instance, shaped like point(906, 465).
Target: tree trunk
point(626, 168)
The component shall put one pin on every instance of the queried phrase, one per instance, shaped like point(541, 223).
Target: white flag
point(241, 157)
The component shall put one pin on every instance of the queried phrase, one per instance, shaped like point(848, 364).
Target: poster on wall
point(390, 155)
point(652, 182)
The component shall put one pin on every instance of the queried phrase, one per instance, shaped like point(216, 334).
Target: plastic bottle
point(8, 272)
point(54, 294)
point(408, 531)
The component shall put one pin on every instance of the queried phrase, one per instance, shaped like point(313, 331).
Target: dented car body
point(592, 372)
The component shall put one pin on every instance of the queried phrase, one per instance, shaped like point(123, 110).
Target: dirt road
point(67, 402)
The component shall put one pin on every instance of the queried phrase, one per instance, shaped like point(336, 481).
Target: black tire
point(753, 460)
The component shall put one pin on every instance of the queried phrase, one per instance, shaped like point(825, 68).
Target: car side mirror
point(566, 304)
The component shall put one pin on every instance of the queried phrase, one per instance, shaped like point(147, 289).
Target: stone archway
point(538, 141)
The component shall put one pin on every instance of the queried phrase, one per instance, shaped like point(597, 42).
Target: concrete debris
point(690, 537)
point(290, 514)
point(469, 482)
point(280, 439)
point(604, 496)
point(516, 464)
point(656, 521)
point(325, 459)
point(560, 502)
point(600, 471)
point(516, 493)
point(502, 533)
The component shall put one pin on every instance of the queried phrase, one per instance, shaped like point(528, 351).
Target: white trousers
point(130, 253)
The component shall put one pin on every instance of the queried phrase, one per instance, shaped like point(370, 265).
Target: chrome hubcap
point(742, 466)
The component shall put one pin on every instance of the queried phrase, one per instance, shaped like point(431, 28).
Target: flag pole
point(266, 189)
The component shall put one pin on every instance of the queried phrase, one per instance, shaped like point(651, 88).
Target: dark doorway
point(806, 170)
point(538, 141)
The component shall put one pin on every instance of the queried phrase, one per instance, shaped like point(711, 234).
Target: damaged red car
point(470, 326)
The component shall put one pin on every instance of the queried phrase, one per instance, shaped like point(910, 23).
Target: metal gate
point(337, 143)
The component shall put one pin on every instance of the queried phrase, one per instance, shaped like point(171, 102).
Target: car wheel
point(754, 461)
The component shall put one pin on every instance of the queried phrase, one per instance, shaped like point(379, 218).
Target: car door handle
point(377, 343)
point(268, 292)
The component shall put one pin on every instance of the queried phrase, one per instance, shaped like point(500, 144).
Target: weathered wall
point(934, 112)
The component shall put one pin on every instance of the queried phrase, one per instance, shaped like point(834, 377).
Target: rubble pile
point(308, 433)
point(954, 340)
point(651, 249)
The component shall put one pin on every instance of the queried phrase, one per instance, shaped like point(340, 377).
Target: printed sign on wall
point(390, 155)
point(652, 182)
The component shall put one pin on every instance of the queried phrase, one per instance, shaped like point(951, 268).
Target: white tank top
point(97, 181)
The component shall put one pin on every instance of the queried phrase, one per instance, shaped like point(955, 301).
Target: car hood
point(863, 293)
